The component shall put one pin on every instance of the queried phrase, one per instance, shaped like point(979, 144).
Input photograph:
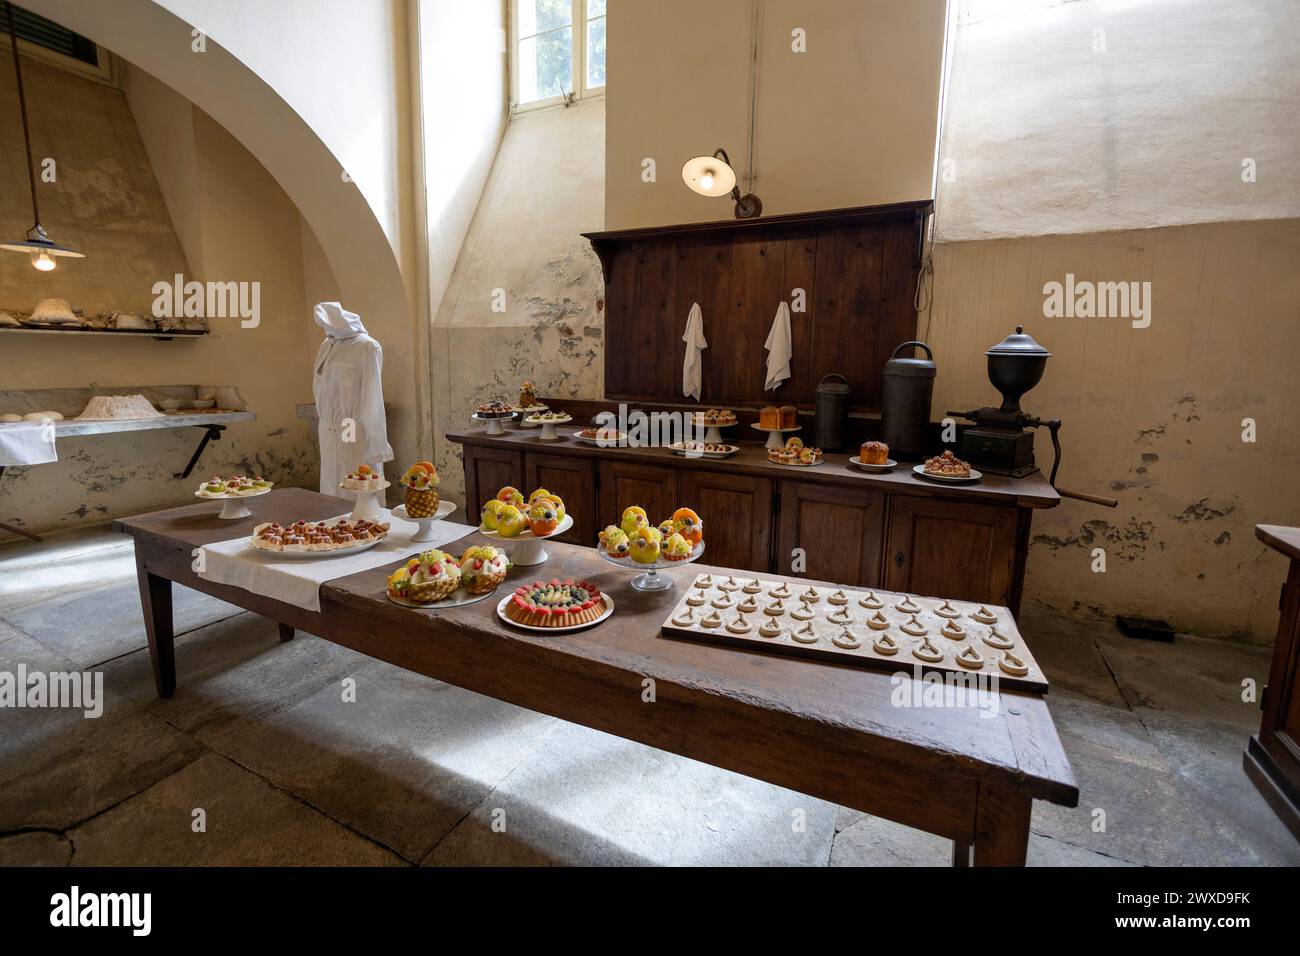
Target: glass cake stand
point(651, 579)
point(529, 549)
point(367, 507)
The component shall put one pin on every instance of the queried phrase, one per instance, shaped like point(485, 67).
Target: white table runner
point(26, 443)
point(297, 581)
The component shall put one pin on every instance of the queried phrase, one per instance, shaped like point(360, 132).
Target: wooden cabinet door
point(623, 484)
point(737, 515)
point(1280, 730)
point(574, 480)
point(838, 530)
point(487, 471)
point(951, 549)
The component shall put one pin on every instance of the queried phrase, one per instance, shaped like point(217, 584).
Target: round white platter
point(501, 613)
point(888, 465)
point(231, 506)
point(919, 471)
point(774, 434)
point(317, 555)
point(529, 549)
point(425, 530)
point(677, 449)
point(618, 442)
point(459, 599)
point(651, 579)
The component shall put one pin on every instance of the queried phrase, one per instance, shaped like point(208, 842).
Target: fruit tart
point(676, 548)
point(482, 568)
point(615, 544)
point(421, 484)
point(556, 603)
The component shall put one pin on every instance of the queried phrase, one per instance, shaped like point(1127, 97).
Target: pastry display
point(427, 578)
point(894, 631)
point(548, 418)
point(527, 396)
point(556, 603)
point(795, 452)
point(873, 453)
point(709, 448)
point(421, 484)
point(715, 416)
point(645, 544)
point(947, 465)
point(482, 568)
point(493, 410)
point(364, 478)
point(304, 536)
point(610, 436)
point(238, 486)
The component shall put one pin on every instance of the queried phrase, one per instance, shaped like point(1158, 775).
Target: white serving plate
point(530, 422)
point(366, 491)
point(888, 465)
point(459, 599)
point(920, 472)
point(619, 442)
point(226, 496)
point(501, 613)
point(313, 555)
point(677, 449)
point(445, 507)
point(757, 427)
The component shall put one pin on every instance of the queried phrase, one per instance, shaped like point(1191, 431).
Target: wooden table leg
point(286, 633)
point(1001, 828)
point(156, 602)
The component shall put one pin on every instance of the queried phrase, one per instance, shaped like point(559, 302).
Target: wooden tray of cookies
point(879, 629)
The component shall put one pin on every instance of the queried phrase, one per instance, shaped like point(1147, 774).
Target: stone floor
point(259, 739)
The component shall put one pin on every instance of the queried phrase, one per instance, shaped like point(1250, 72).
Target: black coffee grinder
point(1001, 441)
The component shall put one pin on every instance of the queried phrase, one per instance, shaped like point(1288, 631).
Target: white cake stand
point(713, 433)
point(775, 436)
point(495, 424)
point(652, 580)
point(548, 428)
point(367, 507)
point(232, 506)
point(529, 549)
point(425, 530)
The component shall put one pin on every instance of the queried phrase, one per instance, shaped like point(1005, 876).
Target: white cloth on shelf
point(779, 348)
point(27, 443)
point(297, 581)
point(349, 393)
point(693, 364)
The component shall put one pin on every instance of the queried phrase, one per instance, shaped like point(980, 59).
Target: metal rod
point(22, 108)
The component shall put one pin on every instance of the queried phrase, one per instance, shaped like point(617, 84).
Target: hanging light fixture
point(714, 176)
point(42, 249)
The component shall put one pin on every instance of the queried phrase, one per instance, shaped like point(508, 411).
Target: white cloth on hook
point(693, 364)
point(779, 348)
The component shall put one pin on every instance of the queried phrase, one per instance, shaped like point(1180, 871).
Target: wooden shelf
point(117, 333)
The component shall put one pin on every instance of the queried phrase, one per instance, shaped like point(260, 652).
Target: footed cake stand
point(367, 507)
point(530, 549)
point(651, 579)
point(232, 506)
point(713, 433)
point(425, 530)
point(495, 424)
point(775, 436)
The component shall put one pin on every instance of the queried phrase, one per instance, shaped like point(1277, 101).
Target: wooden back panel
point(857, 267)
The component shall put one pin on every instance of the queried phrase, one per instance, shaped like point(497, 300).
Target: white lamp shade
point(709, 176)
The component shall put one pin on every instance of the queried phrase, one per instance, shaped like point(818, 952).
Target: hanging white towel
point(779, 349)
point(27, 443)
point(693, 364)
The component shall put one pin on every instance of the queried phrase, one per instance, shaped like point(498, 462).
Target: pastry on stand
point(230, 491)
point(713, 420)
point(514, 519)
point(635, 543)
point(362, 483)
point(776, 420)
point(423, 504)
point(493, 415)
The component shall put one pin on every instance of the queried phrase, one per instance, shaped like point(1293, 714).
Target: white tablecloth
point(297, 581)
point(26, 443)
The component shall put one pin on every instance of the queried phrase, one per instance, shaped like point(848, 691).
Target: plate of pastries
point(317, 539)
point(605, 437)
point(509, 515)
point(485, 411)
point(555, 605)
point(239, 486)
point(947, 467)
point(704, 449)
point(635, 540)
point(437, 578)
point(874, 456)
point(364, 478)
point(718, 417)
point(795, 452)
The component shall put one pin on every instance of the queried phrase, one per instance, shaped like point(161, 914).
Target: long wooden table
point(825, 730)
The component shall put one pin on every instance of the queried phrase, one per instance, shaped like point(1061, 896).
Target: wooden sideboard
point(893, 531)
point(1272, 758)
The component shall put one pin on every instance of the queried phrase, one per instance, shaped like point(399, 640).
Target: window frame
point(578, 88)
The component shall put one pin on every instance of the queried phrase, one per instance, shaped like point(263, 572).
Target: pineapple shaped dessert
point(421, 484)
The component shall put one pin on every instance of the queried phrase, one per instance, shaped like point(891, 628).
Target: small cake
point(614, 542)
point(493, 410)
point(688, 524)
point(482, 568)
point(794, 442)
point(947, 465)
point(542, 519)
point(364, 478)
point(488, 516)
point(215, 486)
point(421, 484)
point(633, 519)
point(666, 529)
point(769, 417)
point(528, 394)
point(435, 576)
point(645, 545)
point(873, 453)
point(789, 416)
point(556, 603)
point(511, 496)
point(511, 522)
point(676, 548)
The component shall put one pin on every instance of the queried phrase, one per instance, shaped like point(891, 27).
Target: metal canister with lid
point(905, 404)
point(832, 408)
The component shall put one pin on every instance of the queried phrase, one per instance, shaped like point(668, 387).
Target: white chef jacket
point(348, 387)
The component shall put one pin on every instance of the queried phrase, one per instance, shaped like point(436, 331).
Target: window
point(559, 51)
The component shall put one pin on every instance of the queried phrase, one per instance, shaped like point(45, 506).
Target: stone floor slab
point(35, 849)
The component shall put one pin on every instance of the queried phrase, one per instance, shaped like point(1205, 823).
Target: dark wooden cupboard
point(1272, 758)
point(487, 471)
point(739, 530)
point(837, 532)
point(951, 549)
point(574, 480)
point(623, 484)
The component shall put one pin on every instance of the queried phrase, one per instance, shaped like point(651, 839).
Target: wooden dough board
point(865, 655)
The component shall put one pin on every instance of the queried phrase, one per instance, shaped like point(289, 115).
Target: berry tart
point(556, 603)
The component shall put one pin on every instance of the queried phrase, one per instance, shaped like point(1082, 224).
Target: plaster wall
point(850, 122)
point(525, 240)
